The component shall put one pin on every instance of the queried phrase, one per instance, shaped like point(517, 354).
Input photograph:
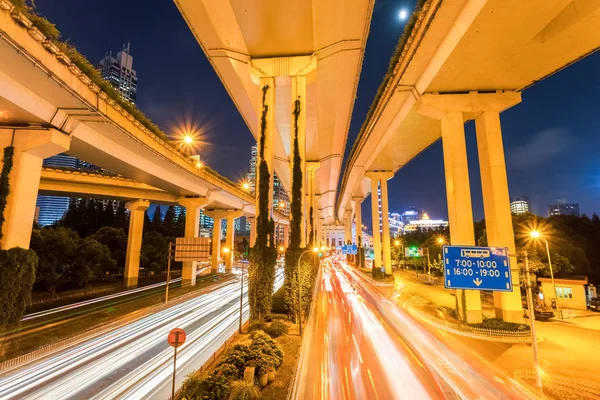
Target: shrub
point(227, 370)
point(17, 274)
point(215, 387)
point(495, 323)
point(256, 326)
point(276, 316)
point(277, 329)
point(192, 387)
point(263, 346)
point(241, 390)
point(237, 358)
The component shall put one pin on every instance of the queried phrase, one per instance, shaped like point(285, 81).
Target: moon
point(403, 14)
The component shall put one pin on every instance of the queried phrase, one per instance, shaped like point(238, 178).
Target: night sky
point(551, 139)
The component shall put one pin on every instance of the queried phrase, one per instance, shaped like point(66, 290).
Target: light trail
point(73, 306)
point(133, 361)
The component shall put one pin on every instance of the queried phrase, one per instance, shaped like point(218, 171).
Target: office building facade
point(520, 205)
point(563, 208)
point(120, 73)
point(52, 208)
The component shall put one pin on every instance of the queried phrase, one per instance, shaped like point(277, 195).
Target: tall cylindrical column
point(269, 151)
point(229, 243)
point(458, 193)
point(377, 260)
point(192, 227)
point(252, 222)
point(496, 205)
point(137, 209)
point(216, 246)
point(347, 226)
point(385, 221)
point(358, 218)
point(30, 149)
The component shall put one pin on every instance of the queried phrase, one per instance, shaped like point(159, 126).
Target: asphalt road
point(360, 345)
point(134, 361)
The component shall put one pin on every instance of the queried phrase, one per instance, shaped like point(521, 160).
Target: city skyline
point(539, 122)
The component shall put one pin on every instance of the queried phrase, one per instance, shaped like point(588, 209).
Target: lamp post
point(536, 365)
point(226, 250)
point(314, 250)
point(538, 235)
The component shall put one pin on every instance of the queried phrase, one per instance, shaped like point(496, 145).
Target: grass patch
point(37, 333)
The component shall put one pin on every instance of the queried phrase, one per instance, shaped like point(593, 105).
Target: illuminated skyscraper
point(120, 73)
point(52, 208)
point(281, 200)
point(520, 205)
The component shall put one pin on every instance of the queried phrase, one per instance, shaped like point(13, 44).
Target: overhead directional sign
point(477, 268)
point(349, 249)
point(414, 251)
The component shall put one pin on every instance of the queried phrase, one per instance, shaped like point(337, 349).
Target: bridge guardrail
point(89, 334)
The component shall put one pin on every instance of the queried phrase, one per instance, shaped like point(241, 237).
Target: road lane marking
point(357, 349)
point(372, 384)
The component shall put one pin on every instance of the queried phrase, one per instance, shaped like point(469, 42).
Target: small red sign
point(176, 337)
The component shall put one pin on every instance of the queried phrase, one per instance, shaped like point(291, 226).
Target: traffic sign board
point(478, 268)
point(349, 249)
point(414, 251)
point(176, 337)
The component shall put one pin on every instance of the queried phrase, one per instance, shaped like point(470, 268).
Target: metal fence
point(492, 335)
point(78, 293)
point(557, 386)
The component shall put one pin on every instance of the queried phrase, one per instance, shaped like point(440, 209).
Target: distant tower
point(281, 200)
point(520, 205)
point(563, 208)
point(120, 73)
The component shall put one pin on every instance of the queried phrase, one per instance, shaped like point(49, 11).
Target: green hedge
point(495, 323)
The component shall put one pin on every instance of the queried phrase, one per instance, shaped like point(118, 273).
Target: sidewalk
point(570, 348)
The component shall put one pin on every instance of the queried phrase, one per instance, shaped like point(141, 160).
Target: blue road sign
point(477, 268)
point(349, 249)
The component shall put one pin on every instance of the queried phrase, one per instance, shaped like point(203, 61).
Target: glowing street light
point(281, 249)
point(535, 234)
point(188, 139)
point(245, 186)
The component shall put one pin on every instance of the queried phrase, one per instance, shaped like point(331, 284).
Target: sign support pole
point(174, 365)
point(168, 273)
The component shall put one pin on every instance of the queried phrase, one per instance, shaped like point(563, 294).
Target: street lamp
point(535, 234)
point(530, 306)
point(226, 251)
point(398, 243)
point(314, 250)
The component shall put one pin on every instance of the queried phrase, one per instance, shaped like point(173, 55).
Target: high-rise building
point(52, 208)
point(424, 223)
point(281, 200)
point(563, 208)
point(120, 73)
point(396, 225)
point(520, 205)
point(411, 214)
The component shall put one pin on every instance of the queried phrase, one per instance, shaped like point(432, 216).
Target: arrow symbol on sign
point(477, 281)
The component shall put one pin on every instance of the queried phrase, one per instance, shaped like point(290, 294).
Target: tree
point(168, 224)
point(294, 251)
point(17, 274)
point(156, 222)
point(108, 214)
point(90, 217)
point(55, 248)
point(179, 228)
point(121, 220)
point(116, 241)
point(263, 257)
point(92, 259)
point(154, 251)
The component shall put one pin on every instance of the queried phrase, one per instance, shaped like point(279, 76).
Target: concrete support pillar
point(286, 237)
point(377, 260)
point(192, 226)
point(137, 209)
point(347, 226)
point(252, 221)
point(321, 232)
point(385, 222)
point(458, 193)
point(449, 108)
point(30, 149)
point(216, 246)
point(496, 203)
point(299, 93)
point(229, 242)
point(358, 218)
point(218, 216)
point(269, 150)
